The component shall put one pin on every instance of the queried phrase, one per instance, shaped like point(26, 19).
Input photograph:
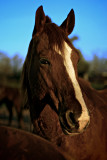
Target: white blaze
point(84, 118)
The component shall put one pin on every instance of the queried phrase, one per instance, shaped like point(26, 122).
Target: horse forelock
point(48, 19)
point(56, 36)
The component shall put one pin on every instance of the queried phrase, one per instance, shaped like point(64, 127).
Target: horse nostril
point(68, 122)
point(70, 117)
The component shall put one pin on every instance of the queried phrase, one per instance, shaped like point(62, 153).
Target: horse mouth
point(68, 123)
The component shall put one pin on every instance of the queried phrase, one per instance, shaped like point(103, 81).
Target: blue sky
point(17, 21)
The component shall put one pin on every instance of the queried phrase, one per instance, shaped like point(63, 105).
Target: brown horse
point(11, 97)
point(61, 104)
point(20, 145)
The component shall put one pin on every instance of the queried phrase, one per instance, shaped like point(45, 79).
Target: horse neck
point(97, 106)
point(93, 98)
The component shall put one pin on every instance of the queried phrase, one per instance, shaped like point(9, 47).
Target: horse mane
point(56, 36)
point(48, 20)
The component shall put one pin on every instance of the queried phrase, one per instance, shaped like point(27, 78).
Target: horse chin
point(66, 132)
point(70, 132)
point(69, 129)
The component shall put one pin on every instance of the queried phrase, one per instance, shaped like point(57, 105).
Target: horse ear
point(69, 23)
point(40, 20)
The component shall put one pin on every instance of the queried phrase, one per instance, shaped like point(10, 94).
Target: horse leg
point(20, 117)
point(10, 114)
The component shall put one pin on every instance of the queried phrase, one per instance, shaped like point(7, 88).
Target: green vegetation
point(10, 70)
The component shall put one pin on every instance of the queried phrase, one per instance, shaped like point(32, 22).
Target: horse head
point(50, 74)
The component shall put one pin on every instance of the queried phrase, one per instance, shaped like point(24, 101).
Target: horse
point(64, 108)
point(9, 105)
point(18, 144)
point(11, 97)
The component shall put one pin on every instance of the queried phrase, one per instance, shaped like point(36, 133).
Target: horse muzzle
point(72, 125)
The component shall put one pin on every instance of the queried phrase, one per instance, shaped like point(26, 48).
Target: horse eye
point(44, 61)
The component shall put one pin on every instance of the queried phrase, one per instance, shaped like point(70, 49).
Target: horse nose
point(71, 123)
point(71, 120)
point(68, 122)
